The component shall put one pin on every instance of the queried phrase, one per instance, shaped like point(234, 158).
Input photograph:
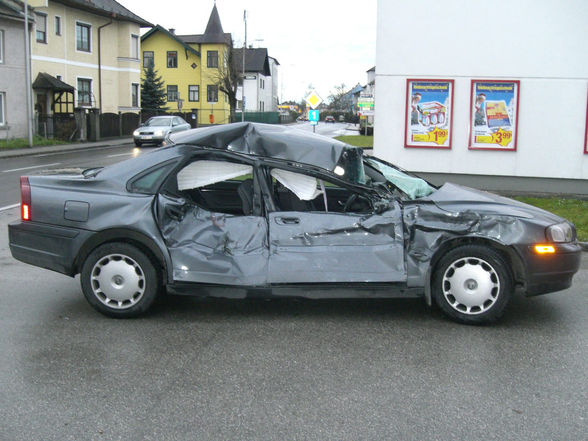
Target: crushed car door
point(320, 232)
point(210, 218)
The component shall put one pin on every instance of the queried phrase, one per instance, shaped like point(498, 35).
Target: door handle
point(287, 220)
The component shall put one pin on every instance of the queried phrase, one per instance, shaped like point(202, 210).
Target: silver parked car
point(157, 128)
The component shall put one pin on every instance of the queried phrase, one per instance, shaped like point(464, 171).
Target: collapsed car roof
point(268, 140)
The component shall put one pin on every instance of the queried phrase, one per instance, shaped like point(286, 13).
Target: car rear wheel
point(472, 284)
point(119, 280)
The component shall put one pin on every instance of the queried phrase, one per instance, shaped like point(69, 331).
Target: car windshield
point(414, 187)
point(158, 121)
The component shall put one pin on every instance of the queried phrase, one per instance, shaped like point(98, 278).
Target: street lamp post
point(243, 70)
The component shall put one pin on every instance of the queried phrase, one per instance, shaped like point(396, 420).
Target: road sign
point(313, 115)
point(314, 100)
point(365, 102)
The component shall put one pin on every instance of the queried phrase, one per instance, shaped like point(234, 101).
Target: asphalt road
point(285, 369)
point(329, 129)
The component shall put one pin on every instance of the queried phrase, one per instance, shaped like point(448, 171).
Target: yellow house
point(190, 67)
point(90, 47)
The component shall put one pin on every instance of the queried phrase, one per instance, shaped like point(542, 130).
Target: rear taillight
point(25, 198)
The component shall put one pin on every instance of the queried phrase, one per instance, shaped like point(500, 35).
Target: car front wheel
point(138, 143)
point(472, 284)
point(119, 280)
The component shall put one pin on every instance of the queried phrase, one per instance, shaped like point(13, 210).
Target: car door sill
point(304, 290)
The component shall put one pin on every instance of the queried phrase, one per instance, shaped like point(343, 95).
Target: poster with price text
point(494, 110)
point(429, 113)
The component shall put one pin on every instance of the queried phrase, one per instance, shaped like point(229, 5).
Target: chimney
point(172, 31)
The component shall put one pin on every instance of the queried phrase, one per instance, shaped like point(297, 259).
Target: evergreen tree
point(153, 95)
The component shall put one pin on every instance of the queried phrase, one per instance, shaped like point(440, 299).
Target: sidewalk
point(15, 153)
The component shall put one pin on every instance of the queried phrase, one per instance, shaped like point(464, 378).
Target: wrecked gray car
point(252, 209)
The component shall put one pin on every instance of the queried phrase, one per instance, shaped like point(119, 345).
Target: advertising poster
point(429, 107)
point(494, 115)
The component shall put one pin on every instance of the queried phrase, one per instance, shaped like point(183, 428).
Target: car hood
point(153, 128)
point(457, 198)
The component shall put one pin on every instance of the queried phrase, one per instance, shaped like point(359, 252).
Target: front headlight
point(136, 133)
point(158, 133)
point(560, 232)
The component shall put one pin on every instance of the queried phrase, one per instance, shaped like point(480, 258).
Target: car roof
point(269, 140)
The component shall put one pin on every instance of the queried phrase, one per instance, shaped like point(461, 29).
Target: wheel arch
point(512, 257)
point(132, 237)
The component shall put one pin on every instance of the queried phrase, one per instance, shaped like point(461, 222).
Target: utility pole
point(243, 81)
point(28, 74)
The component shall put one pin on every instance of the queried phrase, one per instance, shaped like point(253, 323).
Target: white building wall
point(274, 79)
point(251, 95)
point(539, 42)
point(265, 93)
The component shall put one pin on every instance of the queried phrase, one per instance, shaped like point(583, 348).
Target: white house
point(491, 94)
point(261, 80)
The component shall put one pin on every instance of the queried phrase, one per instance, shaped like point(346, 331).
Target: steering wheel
point(350, 200)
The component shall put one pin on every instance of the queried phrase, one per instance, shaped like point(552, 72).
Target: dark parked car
point(330, 119)
point(157, 128)
point(267, 210)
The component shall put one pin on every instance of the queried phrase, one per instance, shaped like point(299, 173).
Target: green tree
point(153, 95)
point(339, 99)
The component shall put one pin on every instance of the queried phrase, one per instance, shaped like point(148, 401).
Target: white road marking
point(8, 207)
point(29, 168)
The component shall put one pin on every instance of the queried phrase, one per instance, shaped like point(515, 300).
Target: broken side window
point(299, 192)
point(218, 186)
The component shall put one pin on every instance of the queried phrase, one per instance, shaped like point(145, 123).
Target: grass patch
point(357, 140)
point(574, 210)
point(19, 143)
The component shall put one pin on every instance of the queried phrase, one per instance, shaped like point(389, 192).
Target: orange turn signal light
point(544, 249)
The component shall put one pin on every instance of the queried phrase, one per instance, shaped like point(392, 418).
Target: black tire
point(119, 280)
point(472, 284)
point(138, 143)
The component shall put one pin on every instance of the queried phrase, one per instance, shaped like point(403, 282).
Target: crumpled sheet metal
point(337, 248)
point(210, 247)
point(427, 227)
point(268, 140)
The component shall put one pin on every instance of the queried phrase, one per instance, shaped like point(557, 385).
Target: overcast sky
point(321, 42)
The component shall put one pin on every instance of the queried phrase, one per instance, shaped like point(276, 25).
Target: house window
point(84, 92)
point(135, 46)
point(212, 93)
point(1, 46)
point(135, 95)
point(212, 58)
point(172, 59)
point(148, 59)
point(2, 109)
point(41, 28)
point(172, 93)
point(57, 25)
point(193, 93)
point(83, 37)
